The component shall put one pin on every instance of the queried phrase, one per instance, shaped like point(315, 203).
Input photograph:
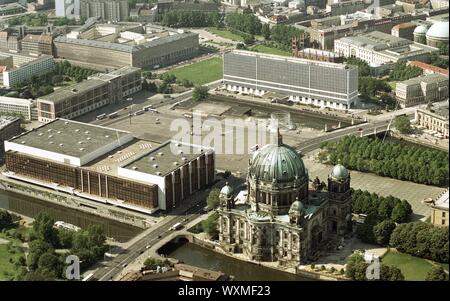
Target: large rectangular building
point(109, 165)
point(378, 48)
point(318, 83)
point(40, 44)
point(19, 106)
point(422, 90)
point(107, 10)
point(434, 118)
point(9, 127)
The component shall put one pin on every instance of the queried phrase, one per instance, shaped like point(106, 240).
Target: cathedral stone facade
point(283, 218)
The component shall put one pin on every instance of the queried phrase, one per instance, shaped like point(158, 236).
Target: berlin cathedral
point(286, 217)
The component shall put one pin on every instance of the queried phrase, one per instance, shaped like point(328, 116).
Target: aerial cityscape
point(224, 140)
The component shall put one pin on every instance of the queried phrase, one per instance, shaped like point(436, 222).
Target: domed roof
point(438, 30)
point(226, 190)
point(297, 206)
point(421, 29)
point(339, 172)
point(277, 163)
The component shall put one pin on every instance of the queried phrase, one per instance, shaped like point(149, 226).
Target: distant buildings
point(347, 7)
point(433, 118)
point(109, 166)
point(107, 10)
point(9, 127)
point(427, 68)
point(318, 83)
point(132, 44)
point(404, 30)
point(439, 211)
point(25, 66)
point(422, 90)
point(11, 9)
point(379, 48)
point(40, 44)
point(99, 90)
point(18, 106)
point(69, 9)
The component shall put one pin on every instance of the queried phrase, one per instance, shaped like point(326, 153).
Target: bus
point(113, 115)
point(101, 116)
point(176, 226)
point(146, 108)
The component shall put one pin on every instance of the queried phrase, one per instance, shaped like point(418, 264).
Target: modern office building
point(9, 127)
point(318, 83)
point(379, 48)
point(107, 10)
point(26, 65)
point(23, 107)
point(97, 91)
point(439, 210)
point(40, 44)
point(422, 90)
point(113, 46)
point(434, 118)
point(109, 165)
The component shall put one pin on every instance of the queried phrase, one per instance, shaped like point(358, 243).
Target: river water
point(30, 207)
point(196, 255)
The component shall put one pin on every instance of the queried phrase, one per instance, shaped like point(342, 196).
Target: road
point(117, 264)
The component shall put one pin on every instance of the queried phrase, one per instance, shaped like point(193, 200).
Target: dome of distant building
point(438, 30)
point(226, 190)
point(339, 172)
point(297, 207)
point(437, 34)
point(277, 163)
point(421, 29)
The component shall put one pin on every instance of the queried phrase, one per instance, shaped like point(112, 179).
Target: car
point(124, 265)
point(148, 247)
point(159, 236)
point(360, 130)
point(142, 251)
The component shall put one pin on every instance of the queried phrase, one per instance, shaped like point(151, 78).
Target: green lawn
point(271, 50)
point(202, 72)
point(225, 34)
point(413, 268)
point(5, 265)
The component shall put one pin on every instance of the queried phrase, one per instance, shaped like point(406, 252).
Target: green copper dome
point(297, 206)
point(278, 164)
point(339, 172)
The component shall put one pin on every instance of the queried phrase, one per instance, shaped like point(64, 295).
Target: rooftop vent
point(87, 132)
point(161, 154)
point(82, 149)
point(119, 152)
point(180, 152)
point(134, 167)
point(158, 173)
point(51, 142)
point(66, 122)
point(80, 142)
point(155, 165)
point(88, 138)
point(50, 136)
point(152, 158)
point(40, 134)
point(61, 144)
point(74, 90)
point(59, 132)
point(110, 156)
point(23, 142)
point(184, 158)
point(178, 144)
point(49, 130)
point(175, 163)
point(107, 136)
point(77, 130)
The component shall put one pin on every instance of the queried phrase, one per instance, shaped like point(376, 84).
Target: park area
point(200, 73)
point(270, 50)
point(224, 33)
point(413, 268)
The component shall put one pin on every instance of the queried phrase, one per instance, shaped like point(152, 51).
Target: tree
point(5, 219)
point(36, 249)
point(400, 212)
point(152, 263)
point(265, 31)
point(249, 39)
point(403, 72)
point(383, 231)
point(44, 230)
point(89, 245)
point(391, 273)
point(365, 232)
point(49, 264)
point(437, 273)
point(210, 225)
point(213, 198)
point(356, 267)
point(200, 93)
point(402, 124)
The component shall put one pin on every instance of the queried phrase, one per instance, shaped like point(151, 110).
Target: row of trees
point(403, 72)
point(369, 86)
point(399, 161)
point(247, 23)
point(423, 240)
point(66, 69)
point(187, 18)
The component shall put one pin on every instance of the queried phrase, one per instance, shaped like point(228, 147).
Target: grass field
point(6, 266)
point(225, 34)
point(413, 268)
point(202, 72)
point(271, 50)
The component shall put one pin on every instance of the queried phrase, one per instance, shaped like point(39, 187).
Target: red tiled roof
point(424, 66)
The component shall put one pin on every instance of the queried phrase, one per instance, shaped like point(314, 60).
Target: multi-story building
point(347, 7)
point(433, 118)
point(40, 44)
point(9, 127)
point(282, 218)
point(439, 210)
point(25, 67)
point(422, 90)
point(9, 41)
point(404, 30)
point(11, 9)
point(427, 68)
point(109, 165)
point(69, 9)
point(19, 106)
point(379, 48)
point(159, 47)
point(318, 83)
point(107, 10)
point(93, 93)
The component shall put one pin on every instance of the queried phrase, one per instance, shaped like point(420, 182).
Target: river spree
point(196, 255)
point(30, 207)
